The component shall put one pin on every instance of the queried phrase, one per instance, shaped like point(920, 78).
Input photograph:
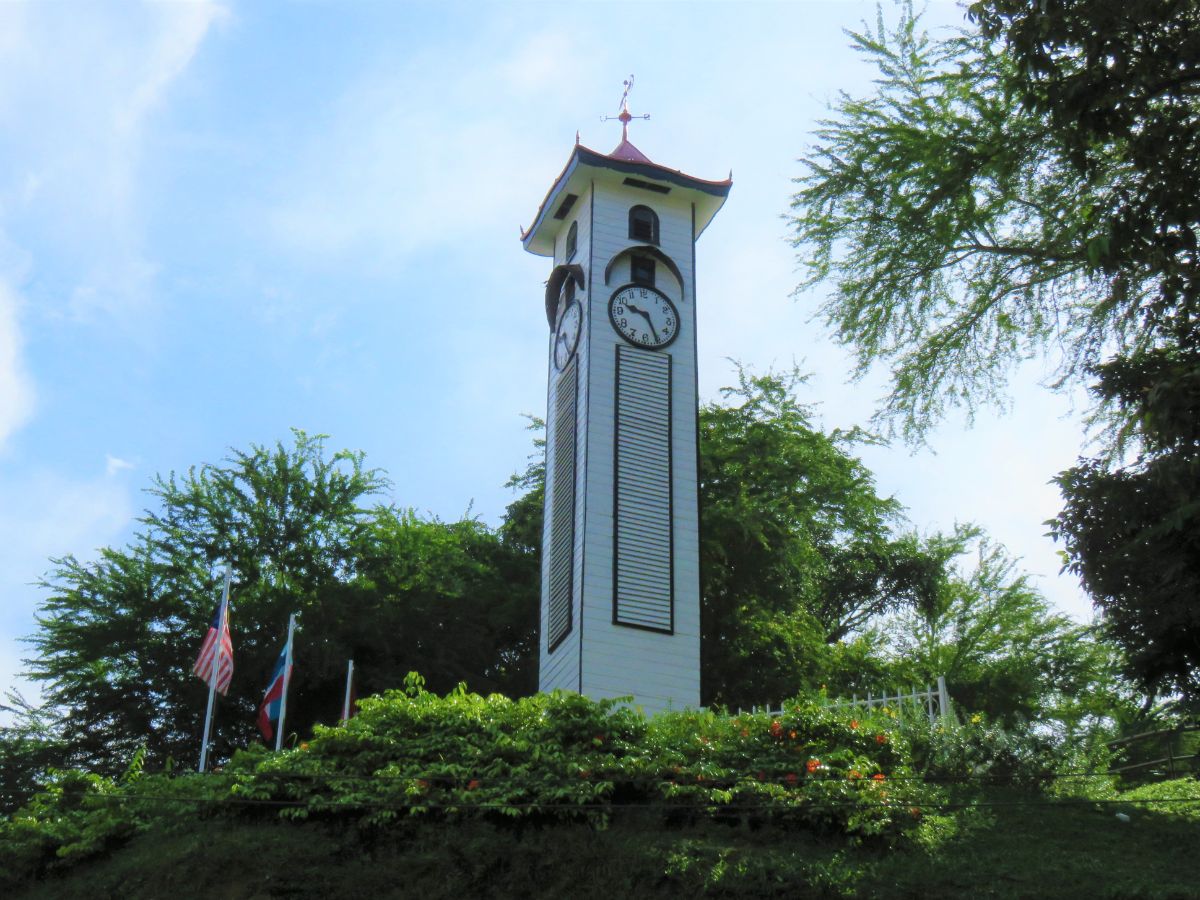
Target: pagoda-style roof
point(586, 164)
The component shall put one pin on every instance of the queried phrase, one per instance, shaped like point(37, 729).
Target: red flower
point(791, 779)
point(812, 765)
point(854, 723)
point(422, 784)
point(792, 734)
point(473, 784)
point(776, 728)
point(881, 738)
point(878, 776)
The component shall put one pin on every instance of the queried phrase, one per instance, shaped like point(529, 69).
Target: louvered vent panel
point(562, 508)
point(642, 497)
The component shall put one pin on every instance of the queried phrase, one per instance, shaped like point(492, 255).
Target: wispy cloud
point(401, 169)
point(46, 515)
point(90, 80)
point(16, 389)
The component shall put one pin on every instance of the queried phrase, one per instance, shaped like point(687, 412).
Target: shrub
point(410, 756)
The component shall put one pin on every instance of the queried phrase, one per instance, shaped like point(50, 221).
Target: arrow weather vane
point(624, 116)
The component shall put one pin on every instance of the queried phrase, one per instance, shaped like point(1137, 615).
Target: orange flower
point(916, 812)
point(854, 773)
point(854, 723)
point(881, 738)
point(792, 734)
point(878, 776)
point(812, 765)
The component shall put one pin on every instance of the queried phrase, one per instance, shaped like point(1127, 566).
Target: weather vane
point(624, 116)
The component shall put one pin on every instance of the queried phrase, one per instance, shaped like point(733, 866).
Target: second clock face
point(566, 336)
point(643, 316)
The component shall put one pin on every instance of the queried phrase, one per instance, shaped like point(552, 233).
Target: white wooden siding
point(600, 658)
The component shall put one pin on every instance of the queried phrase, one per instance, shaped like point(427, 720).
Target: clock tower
point(620, 602)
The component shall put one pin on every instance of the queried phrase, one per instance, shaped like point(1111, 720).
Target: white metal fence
point(933, 703)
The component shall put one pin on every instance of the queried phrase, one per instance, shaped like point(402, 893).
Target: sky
point(220, 221)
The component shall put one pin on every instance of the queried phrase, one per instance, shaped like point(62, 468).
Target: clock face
point(643, 316)
point(566, 337)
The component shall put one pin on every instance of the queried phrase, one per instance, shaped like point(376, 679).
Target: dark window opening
point(641, 270)
point(572, 240)
point(565, 207)
point(643, 225)
point(647, 186)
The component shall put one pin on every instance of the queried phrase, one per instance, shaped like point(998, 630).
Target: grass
point(1013, 845)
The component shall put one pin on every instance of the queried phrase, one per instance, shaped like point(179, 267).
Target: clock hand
point(645, 315)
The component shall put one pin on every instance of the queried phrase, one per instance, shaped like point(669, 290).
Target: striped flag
point(272, 702)
point(217, 650)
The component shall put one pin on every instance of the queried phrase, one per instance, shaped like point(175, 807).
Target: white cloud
point(114, 464)
point(399, 168)
point(16, 389)
point(76, 89)
point(90, 79)
point(46, 515)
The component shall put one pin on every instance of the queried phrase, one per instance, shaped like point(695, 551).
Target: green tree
point(1132, 533)
point(1018, 188)
point(798, 556)
point(116, 638)
point(1001, 647)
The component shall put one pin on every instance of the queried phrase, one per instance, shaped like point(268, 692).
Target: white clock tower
point(620, 609)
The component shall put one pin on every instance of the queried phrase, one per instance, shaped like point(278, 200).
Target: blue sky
point(219, 221)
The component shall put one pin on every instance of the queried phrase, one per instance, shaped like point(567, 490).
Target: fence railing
point(932, 703)
point(1173, 759)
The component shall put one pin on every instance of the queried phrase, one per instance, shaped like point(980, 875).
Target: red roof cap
point(629, 153)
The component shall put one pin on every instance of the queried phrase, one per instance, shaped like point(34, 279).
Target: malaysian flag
point(217, 650)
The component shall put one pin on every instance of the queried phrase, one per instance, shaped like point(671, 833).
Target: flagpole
point(349, 682)
point(287, 678)
point(212, 677)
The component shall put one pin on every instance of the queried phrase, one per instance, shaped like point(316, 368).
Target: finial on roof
point(576, 137)
point(624, 116)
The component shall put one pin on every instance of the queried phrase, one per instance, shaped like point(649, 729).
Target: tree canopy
point(381, 585)
point(1026, 187)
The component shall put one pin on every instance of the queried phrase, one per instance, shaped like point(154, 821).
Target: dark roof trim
point(582, 154)
point(554, 286)
point(653, 170)
point(647, 250)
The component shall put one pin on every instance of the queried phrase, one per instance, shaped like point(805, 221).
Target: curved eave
point(711, 197)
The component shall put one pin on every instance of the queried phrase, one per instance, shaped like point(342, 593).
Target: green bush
point(562, 756)
point(976, 754)
point(411, 756)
